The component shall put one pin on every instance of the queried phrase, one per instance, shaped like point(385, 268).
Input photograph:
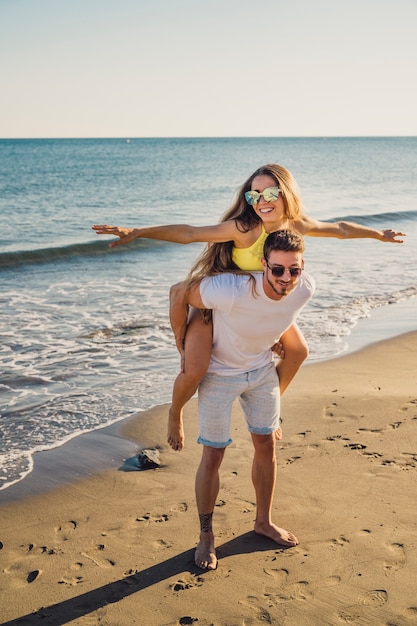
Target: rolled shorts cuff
point(214, 444)
point(266, 430)
point(263, 431)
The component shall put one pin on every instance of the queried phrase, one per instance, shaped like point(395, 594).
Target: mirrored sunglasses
point(270, 194)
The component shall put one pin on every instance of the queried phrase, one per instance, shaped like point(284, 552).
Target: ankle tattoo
point(206, 522)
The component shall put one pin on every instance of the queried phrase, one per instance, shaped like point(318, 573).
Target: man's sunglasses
point(279, 270)
point(269, 195)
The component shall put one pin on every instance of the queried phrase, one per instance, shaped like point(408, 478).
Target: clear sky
point(207, 68)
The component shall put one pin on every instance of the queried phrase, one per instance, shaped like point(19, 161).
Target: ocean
point(85, 335)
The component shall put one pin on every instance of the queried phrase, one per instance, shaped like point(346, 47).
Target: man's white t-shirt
point(246, 324)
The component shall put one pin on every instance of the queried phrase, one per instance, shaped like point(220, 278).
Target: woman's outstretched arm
point(177, 233)
point(346, 230)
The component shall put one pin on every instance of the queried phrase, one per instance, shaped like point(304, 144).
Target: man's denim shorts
point(258, 393)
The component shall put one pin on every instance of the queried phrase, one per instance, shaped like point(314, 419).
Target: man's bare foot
point(205, 553)
point(175, 435)
point(279, 535)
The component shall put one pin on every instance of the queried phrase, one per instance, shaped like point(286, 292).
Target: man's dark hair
point(284, 240)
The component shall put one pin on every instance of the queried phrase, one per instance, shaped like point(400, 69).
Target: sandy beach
point(116, 547)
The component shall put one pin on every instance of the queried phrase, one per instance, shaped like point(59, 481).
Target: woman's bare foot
point(205, 553)
point(279, 535)
point(175, 435)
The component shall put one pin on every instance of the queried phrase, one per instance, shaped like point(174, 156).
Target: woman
point(267, 201)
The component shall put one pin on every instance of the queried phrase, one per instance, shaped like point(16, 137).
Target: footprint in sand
point(355, 446)
point(27, 547)
point(410, 406)
point(280, 575)
point(372, 455)
point(32, 576)
point(66, 529)
point(406, 461)
point(70, 582)
point(398, 560)
point(301, 436)
point(329, 411)
point(182, 507)
point(375, 431)
point(283, 591)
point(34, 549)
point(410, 460)
point(161, 543)
point(97, 558)
point(20, 576)
point(337, 438)
point(292, 460)
point(258, 605)
point(376, 597)
point(187, 582)
point(388, 462)
point(351, 616)
point(148, 518)
point(332, 581)
point(340, 542)
point(295, 591)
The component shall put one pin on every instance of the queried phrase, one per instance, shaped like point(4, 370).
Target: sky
point(207, 68)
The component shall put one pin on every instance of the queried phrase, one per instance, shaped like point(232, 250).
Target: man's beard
point(283, 289)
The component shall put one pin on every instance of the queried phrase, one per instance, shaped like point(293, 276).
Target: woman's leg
point(295, 353)
point(197, 351)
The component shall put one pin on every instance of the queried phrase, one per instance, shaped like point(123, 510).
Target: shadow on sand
point(73, 608)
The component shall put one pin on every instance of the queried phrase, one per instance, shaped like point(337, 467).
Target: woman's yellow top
point(249, 259)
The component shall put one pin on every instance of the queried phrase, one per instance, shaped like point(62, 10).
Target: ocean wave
point(387, 219)
point(64, 253)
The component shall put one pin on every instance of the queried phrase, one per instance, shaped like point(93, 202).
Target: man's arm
point(181, 298)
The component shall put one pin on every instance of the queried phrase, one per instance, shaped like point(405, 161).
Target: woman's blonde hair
point(217, 257)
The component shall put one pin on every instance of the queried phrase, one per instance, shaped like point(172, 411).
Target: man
point(250, 313)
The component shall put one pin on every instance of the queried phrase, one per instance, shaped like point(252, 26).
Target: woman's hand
point(392, 236)
point(126, 235)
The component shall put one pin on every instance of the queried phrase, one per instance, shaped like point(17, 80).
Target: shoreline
point(384, 322)
point(107, 447)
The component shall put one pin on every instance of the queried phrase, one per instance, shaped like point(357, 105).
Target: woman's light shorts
point(258, 393)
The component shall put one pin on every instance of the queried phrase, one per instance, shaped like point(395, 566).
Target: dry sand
point(117, 548)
